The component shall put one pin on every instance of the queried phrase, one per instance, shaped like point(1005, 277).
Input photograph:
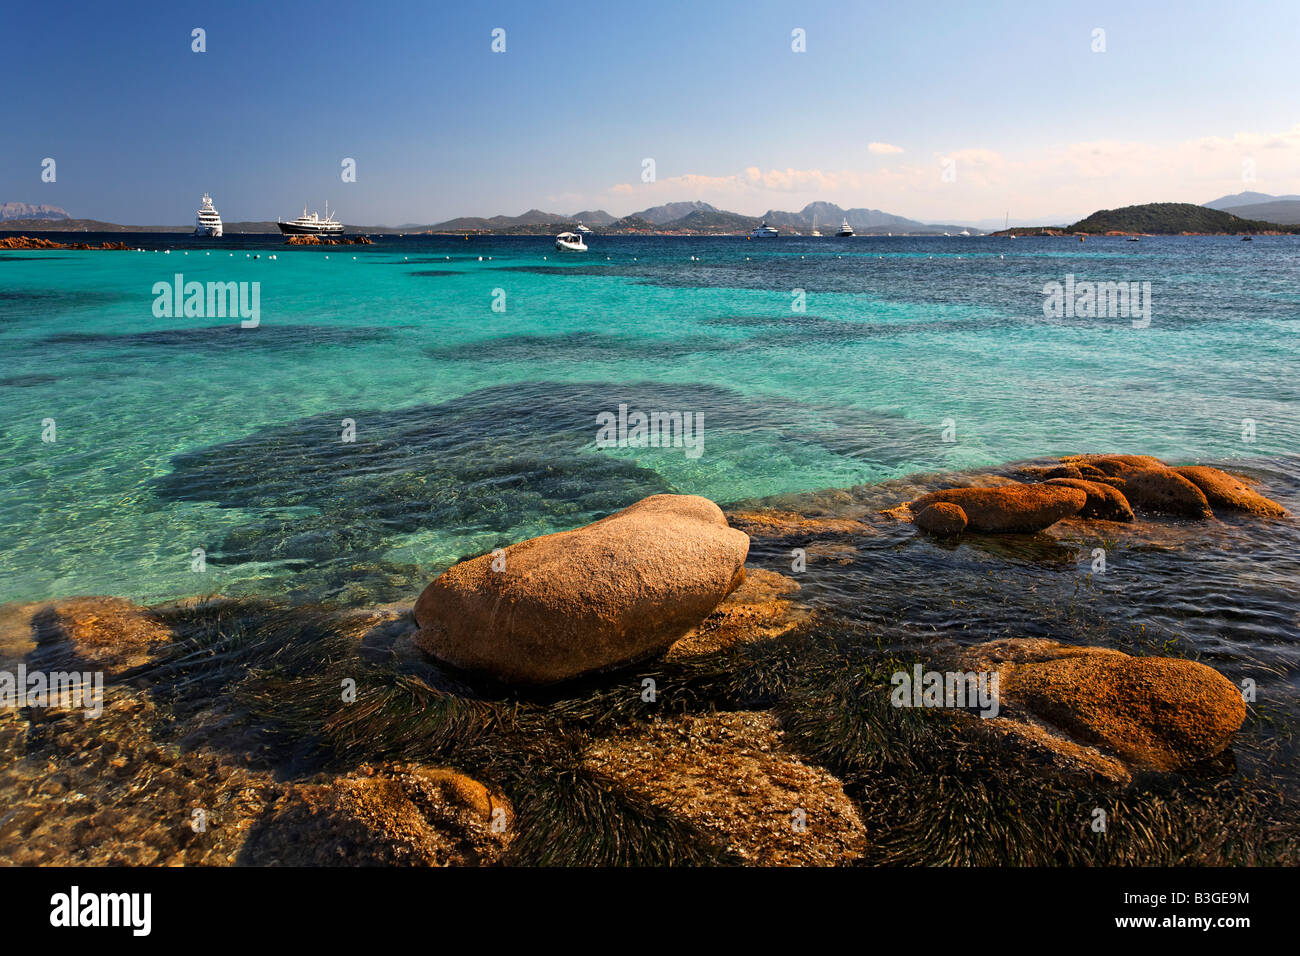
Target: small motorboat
point(1247, 238)
point(570, 242)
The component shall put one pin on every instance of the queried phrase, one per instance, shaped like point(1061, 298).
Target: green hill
point(1173, 218)
point(711, 222)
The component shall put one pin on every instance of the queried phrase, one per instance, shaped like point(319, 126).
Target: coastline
point(783, 680)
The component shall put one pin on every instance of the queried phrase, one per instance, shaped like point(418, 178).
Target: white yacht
point(764, 232)
point(582, 229)
point(312, 225)
point(570, 242)
point(845, 228)
point(208, 221)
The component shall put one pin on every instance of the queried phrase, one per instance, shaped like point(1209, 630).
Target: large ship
point(845, 229)
point(764, 232)
point(312, 225)
point(207, 222)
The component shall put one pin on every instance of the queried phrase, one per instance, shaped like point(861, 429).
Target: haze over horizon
point(956, 114)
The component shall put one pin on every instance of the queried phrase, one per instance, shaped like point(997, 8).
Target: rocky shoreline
point(28, 242)
point(328, 241)
point(635, 668)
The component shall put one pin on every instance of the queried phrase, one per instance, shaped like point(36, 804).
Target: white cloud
point(1075, 178)
point(883, 148)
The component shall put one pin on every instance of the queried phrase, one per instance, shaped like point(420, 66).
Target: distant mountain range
point(28, 210)
point(1249, 205)
point(1242, 212)
point(1284, 211)
point(700, 218)
point(1244, 199)
point(683, 218)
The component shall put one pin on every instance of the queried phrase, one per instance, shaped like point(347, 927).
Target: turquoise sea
point(195, 457)
point(476, 426)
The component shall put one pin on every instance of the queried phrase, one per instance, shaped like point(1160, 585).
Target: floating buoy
point(167, 253)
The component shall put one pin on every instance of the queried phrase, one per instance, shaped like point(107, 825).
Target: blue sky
point(1189, 101)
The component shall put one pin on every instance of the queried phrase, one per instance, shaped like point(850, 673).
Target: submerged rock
point(730, 775)
point(606, 594)
point(943, 518)
point(1012, 508)
point(109, 632)
point(390, 815)
point(1222, 490)
point(1156, 713)
point(1027, 739)
point(1105, 502)
point(759, 609)
point(773, 523)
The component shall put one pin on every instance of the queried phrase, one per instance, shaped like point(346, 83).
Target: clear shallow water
point(475, 428)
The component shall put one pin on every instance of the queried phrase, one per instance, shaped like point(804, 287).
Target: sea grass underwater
point(256, 685)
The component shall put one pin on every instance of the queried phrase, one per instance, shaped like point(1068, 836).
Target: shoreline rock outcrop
point(943, 519)
point(30, 242)
point(1150, 713)
point(1104, 502)
point(1113, 488)
point(1021, 509)
point(556, 607)
point(328, 241)
point(1223, 490)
